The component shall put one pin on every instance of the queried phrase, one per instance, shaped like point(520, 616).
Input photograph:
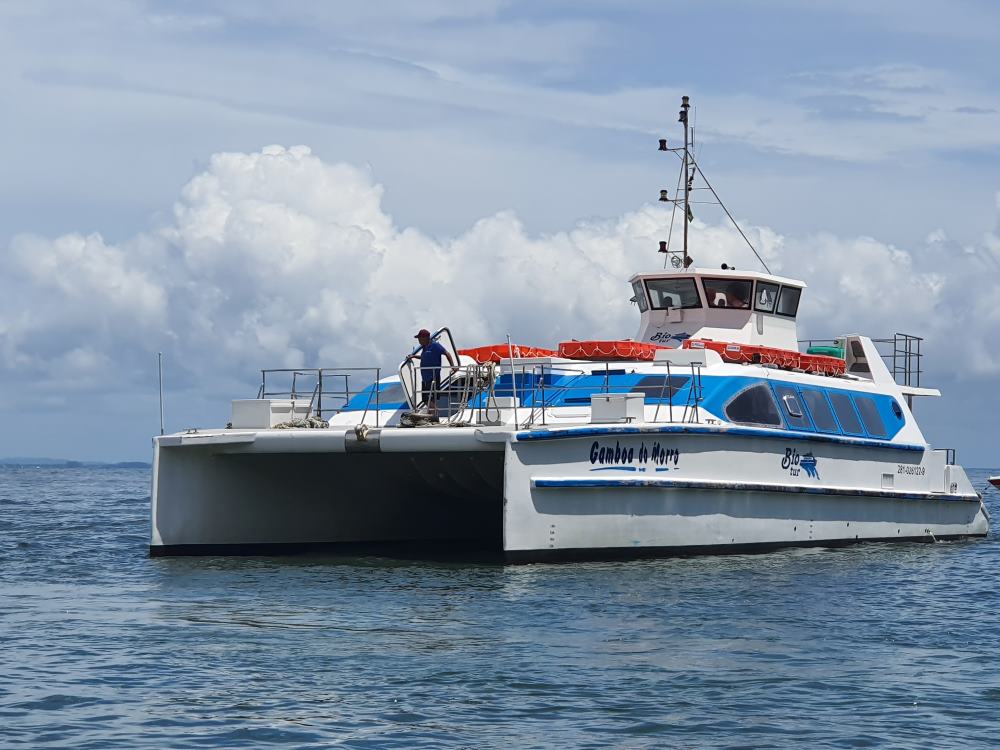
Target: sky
point(244, 184)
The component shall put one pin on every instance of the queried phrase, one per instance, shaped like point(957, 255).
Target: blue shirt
point(430, 361)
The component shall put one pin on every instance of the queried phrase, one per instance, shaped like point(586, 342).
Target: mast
point(689, 169)
point(685, 105)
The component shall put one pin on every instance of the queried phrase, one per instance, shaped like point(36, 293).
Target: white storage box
point(617, 407)
point(506, 402)
point(263, 413)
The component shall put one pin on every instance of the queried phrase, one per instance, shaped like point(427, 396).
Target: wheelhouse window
point(754, 406)
point(728, 292)
point(667, 293)
point(820, 410)
point(795, 414)
point(846, 415)
point(766, 296)
point(870, 417)
point(640, 296)
point(788, 301)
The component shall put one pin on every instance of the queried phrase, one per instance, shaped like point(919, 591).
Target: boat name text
point(655, 454)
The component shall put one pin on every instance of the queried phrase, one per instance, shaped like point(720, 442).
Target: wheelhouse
point(747, 307)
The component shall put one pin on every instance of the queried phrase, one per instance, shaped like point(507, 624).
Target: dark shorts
point(429, 388)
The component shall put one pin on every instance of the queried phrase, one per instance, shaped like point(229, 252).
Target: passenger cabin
point(742, 307)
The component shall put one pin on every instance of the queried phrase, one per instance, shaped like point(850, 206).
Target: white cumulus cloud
point(277, 259)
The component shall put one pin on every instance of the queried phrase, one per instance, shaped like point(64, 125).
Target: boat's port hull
point(208, 500)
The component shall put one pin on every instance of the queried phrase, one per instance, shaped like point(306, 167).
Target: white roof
point(717, 273)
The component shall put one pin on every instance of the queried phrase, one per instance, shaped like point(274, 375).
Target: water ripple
point(873, 646)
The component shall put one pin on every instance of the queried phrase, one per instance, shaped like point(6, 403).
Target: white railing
point(329, 389)
point(468, 395)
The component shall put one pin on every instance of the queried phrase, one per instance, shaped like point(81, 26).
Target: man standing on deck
point(430, 367)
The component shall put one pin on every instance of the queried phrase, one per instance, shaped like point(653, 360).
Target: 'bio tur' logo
point(794, 462)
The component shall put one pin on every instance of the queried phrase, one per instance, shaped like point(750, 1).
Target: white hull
point(539, 495)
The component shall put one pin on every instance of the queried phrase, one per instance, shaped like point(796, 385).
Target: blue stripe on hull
point(686, 484)
point(577, 432)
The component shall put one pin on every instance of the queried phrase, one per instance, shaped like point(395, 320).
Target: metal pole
point(319, 394)
point(513, 383)
point(685, 105)
point(159, 369)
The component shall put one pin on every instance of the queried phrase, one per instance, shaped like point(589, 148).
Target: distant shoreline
point(62, 463)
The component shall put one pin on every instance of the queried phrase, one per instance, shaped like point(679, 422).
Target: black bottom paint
point(519, 557)
point(486, 552)
point(440, 550)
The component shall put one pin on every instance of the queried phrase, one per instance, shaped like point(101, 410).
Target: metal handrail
point(545, 402)
point(906, 356)
point(538, 411)
point(322, 375)
point(469, 390)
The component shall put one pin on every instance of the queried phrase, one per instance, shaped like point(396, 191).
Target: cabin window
point(754, 406)
point(788, 301)
point(666, 293)
point(820, 410)
point(656, 387)
point(640, 296)
point(766, 296)
point(794, 413)
point(846, 415)
point(870, 417)
point(728, 292)
point(390, 394)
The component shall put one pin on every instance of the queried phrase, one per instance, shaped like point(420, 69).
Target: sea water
point(100, 646)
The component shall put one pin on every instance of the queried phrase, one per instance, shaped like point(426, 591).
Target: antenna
point(689, 170)
point(685, 105)
point(687, 175)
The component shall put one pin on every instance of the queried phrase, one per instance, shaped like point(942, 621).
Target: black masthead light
point(663, 246)
point(664, 196)
point(663, 144)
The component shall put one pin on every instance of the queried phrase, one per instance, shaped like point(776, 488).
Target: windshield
point(728, 292)
point(664, 293)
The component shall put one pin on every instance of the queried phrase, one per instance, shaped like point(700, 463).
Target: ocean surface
point(886, 646)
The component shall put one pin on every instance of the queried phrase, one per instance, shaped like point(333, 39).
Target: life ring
point(609, 350)
point(496, 352)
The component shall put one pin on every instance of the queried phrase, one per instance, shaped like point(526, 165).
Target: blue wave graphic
point(810, 465)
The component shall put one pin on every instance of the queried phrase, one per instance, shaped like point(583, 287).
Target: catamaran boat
point(709, 431)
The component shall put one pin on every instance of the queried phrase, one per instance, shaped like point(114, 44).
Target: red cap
point(422, 332)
